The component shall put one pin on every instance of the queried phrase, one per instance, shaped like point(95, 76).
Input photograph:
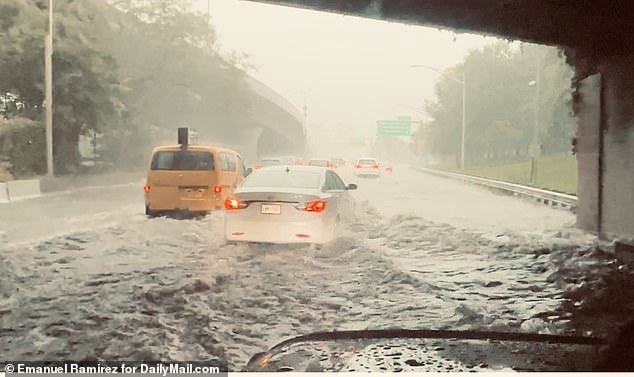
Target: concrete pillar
point(617, 199)
point(589, 141)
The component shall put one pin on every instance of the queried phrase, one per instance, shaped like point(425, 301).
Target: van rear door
point(182, 179)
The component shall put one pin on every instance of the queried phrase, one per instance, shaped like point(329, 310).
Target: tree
point(500, 103)
point(125, 71)
point(85, 80)
point(172, 72)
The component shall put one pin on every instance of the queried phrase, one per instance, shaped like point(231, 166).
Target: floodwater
point(86, 275)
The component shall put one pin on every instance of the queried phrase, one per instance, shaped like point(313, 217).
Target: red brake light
point(147, 188)
point(376, 166)
point(358, 166)
point(233, 203)
point(316, 206)
point(217, 189)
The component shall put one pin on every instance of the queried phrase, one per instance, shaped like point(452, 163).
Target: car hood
point(428, 351)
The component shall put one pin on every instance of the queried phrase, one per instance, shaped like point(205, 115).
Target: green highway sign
point(401, 127)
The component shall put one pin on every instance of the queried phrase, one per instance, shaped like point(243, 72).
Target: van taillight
point(147, 188)
point(217, 189)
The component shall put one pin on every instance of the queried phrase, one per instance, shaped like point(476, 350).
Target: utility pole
point(48, 62)
point(208, 10)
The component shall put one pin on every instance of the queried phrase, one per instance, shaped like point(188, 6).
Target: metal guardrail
point(552, 198)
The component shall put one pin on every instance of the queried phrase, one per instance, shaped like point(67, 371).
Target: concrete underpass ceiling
point(591, 25)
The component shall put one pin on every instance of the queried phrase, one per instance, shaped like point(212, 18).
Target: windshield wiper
point(429, 334)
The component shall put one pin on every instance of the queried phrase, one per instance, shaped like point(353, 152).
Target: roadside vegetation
point(555, 172)
point(125, 75)
point(512, 93)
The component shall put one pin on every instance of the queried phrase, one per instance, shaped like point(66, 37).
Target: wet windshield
point(156, 203)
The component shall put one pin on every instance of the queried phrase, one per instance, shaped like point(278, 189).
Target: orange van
point(193, 179)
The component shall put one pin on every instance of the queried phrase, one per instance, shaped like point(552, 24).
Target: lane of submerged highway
point(88, 275)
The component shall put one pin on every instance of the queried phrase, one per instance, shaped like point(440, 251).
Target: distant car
point(322, 162)
point(367, 167)
point(339, 162)
point(270, 161)
point(288, 160)
point(275, 161)
point(286, 205)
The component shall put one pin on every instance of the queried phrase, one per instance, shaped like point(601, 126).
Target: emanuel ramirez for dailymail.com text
point(154, 369)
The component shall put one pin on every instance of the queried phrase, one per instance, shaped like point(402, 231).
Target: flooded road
point(87, 275)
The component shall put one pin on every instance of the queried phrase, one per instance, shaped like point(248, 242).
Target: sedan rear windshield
point(367, 162)
point(283, 179)
point(182, 160)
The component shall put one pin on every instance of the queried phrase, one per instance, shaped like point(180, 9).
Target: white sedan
point(288, 204)
point(367, 167)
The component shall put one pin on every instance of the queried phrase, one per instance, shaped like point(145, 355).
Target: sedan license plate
point(271, 209)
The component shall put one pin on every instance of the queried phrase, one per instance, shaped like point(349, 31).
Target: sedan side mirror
point(249, 171)
point(351, 186)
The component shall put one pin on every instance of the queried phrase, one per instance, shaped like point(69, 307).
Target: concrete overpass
point(596, 39)
point(275, 127)
point(278, 124)
point(272, 126)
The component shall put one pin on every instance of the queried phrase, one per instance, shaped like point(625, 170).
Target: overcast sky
point(354, 71)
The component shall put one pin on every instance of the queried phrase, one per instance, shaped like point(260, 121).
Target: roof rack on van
point(183, 136)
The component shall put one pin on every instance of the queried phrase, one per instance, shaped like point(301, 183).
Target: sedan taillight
point(316, 206)
point(232, 203)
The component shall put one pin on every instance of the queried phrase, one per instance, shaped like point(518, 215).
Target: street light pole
point(464, 119)
point(535, 148)
point(305, 110)
point(48, 62)
point(462, 80)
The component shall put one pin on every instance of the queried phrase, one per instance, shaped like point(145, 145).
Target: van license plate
point(271, 209)
point(195, 194)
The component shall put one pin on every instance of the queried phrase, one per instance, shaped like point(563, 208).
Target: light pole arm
point(460, 79)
